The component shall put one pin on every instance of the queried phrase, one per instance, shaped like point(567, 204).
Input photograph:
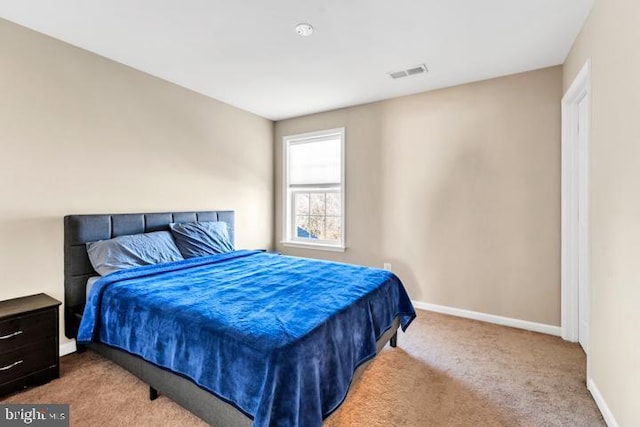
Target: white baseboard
point(602, 405)
point(67, 347)
point(490, 318)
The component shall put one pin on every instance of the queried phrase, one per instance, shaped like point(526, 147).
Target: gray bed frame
point(80, 229)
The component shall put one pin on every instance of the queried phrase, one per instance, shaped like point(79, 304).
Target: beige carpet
point(446, 371)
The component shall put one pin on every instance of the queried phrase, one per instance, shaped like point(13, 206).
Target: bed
point(243, 338)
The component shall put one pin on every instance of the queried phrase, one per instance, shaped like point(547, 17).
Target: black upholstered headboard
point(80, 229)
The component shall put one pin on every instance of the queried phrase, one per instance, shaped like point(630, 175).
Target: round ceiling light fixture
point(304, 30)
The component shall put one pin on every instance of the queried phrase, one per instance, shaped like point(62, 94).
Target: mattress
point(90, 282)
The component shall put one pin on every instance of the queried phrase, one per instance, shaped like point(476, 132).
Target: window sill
point(318, 246)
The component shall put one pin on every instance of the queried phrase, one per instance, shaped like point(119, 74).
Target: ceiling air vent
point(398, 74)
point(410, 72)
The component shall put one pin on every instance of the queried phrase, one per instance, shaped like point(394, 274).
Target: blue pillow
point(108, 256)
point(196, 239)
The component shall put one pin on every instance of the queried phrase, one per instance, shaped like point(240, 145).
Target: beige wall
point(611, 39)
point(83, 134)
point(458, 189)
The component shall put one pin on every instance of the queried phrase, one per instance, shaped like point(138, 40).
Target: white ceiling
point(247, 53)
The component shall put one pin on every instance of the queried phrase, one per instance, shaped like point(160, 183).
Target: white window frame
point(288, 209)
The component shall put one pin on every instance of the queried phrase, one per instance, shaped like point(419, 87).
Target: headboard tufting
point(81, 229)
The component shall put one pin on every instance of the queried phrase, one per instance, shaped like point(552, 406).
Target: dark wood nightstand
point(29, 350)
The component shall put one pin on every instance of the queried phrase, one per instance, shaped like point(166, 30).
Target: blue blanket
point(276, 336)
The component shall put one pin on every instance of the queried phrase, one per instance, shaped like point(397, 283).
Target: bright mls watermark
point(34, 415)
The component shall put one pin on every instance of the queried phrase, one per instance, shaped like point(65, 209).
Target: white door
point(583, 223)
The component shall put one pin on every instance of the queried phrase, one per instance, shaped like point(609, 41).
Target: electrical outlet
point(387, 266)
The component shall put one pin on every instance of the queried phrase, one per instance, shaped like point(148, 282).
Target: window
point(314, 190)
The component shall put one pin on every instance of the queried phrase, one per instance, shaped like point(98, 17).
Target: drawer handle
point(5, 337)
point(6, 368)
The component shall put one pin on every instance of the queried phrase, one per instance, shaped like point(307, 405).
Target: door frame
point(571, 270)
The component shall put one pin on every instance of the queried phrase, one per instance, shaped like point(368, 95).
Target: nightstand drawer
point(26, 329)
point(28, 359)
